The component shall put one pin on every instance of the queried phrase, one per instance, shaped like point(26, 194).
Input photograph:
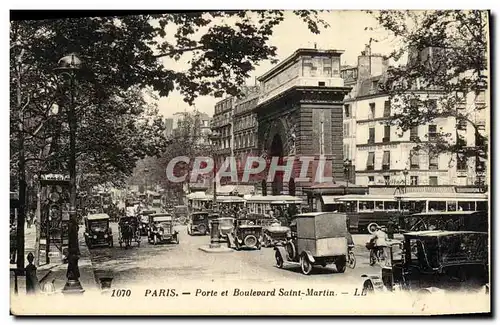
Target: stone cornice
point(307, 95)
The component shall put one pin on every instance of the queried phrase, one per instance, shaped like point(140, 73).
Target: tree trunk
point(38, 218)
point(21, 173)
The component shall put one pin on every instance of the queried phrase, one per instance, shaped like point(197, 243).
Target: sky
point(346, 32)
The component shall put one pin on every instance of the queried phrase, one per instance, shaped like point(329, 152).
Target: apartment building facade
point(245, 126)
point(222, 124)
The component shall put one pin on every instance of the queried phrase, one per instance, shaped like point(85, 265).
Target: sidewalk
point(87, 278)
point(56, 272)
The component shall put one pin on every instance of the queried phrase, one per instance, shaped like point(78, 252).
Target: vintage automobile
point(226, 226)
point(317, 238)
point(97, 230)
point(433, 261)
point(181, 213)
point(198, 223)
point(275, 233)
point(246, 233)
point(144, 221)
point(161, 229)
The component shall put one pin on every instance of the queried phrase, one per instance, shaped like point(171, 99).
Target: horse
point(127, 233)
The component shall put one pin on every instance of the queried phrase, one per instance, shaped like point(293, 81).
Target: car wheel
point(368, 287)
point(340, 264)
point(279, 259)
point(250, 241)
point(305, 265)
point(290, 248)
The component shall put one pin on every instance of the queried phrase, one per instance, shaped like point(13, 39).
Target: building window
point(346, 129)
point(461, 162)
point(371, 179)
point(347, 154)
point(370, 163)
point(414, 133)
point(414, 160)
point(462, 125)
point(387, 133)
point(480, 164)
point(433, 161)
point(413, 180)
point(371, 136)
point(313, 71)
point(432, 105)
point(432, 134)
point(321, 83)
point(347, 110)
point(461, 140)
point(387, 179)
point(386, 160)
point(335, 67)
point(479, 137)
point(433, 180)
point(387, 108)
point(481, 100)
point(372, 111)
point(327, 67)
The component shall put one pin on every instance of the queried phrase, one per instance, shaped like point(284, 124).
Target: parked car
point(431, 261)
point(246, 233)
point(198, 223)
point(161, 229)
point(316, 238)
point(97, 230)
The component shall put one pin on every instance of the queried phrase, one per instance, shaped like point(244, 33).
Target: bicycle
point(376, 255)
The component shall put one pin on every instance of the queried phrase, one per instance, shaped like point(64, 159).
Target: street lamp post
point(214, 231)
point(68, 66)
point(405, 173)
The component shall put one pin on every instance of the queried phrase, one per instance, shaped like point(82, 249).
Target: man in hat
point(380, 237)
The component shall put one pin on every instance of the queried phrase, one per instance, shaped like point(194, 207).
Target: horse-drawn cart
point(128, 231)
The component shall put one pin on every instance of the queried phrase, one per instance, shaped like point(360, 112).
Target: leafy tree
point(445, 75)
point(120, 53)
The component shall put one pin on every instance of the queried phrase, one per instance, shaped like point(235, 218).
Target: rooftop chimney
point(368, 49)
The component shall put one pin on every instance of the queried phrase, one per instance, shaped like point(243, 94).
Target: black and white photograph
point(250, 162)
